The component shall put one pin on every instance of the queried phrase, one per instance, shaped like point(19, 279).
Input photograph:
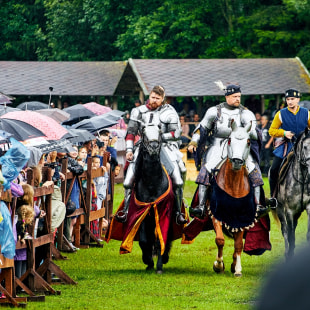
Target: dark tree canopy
point(107, 30)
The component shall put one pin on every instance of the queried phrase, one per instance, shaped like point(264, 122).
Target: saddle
point(234, 182)
point(286, 163)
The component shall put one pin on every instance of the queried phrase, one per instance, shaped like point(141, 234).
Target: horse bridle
point(149, 146)
point(302, 159)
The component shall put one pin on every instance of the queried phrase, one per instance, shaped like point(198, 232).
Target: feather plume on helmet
point(229, 89)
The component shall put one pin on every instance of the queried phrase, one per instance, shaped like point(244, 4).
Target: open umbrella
point(97, 108)
point(58, 115)
point(21, 131)
point(77, 113)
point(4, 99)
point(5, 109)
point(94, 124)
point(32, 105)
point(62, 145)
point(51, 129)
point(81, 135)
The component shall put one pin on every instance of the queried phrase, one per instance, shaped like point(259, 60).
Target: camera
point(52, 165)
point(99, 143)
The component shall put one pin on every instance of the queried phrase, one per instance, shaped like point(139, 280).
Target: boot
point(180, 220)
point(272, 202)
point(202, 195)
point(261, 210)
point(121, 216)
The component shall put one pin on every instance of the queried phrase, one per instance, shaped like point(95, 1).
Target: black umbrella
point(32, 105)
point(95, 123)
point(77, 113)
point(21, 131)
point(81, 135)
point(61, 145)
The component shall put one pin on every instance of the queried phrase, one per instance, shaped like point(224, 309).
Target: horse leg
point(308, 232)
point(163, 259)
point(236, 264)
point(284, 228)
point(146, 245)
point(291, 225)
point(218, 265)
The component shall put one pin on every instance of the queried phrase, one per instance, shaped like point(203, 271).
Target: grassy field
point(107, 280)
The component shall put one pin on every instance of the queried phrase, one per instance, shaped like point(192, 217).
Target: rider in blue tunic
point(287, 124)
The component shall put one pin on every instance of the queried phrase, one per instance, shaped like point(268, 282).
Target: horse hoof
point(238, 274)
point(218, 267)
point(159, 271)
point(232, 268)
point(150, 267)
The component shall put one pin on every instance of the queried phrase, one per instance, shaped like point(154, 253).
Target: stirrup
point(273, 203)
point(197, 212)
point(261, 211)
point(180, 220)
point(121, 216)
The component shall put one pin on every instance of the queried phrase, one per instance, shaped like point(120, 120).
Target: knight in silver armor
point(216, 125)
point(163, 115)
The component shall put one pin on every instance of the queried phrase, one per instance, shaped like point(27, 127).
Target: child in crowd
point(100, 184)
point(26, 212)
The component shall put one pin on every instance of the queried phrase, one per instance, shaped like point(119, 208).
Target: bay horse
point(293, 192)
point(232, 206)
point(152, 187)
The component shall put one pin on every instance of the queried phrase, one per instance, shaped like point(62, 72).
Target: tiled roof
point(196, 77)
point(67, 78)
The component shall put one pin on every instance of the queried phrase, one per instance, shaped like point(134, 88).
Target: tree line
point(109, 30)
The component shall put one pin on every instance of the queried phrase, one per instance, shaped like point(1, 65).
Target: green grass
point(107, 280)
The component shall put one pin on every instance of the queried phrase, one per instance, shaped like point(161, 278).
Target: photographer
point(108, 145)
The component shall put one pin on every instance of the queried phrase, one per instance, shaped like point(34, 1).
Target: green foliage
point(20, 20)
point(177, 29)
point(117, 30)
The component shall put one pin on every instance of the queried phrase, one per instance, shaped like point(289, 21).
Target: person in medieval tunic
point(287, 124)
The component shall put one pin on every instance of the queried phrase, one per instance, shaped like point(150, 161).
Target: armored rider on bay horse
point(163, 115)
point(215, 127)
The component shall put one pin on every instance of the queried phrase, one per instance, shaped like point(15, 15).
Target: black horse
point(152, 182)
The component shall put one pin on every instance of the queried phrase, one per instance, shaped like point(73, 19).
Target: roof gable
point(87, 78)
point(196, 77)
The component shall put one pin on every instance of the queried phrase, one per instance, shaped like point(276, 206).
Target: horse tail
point(276, 218)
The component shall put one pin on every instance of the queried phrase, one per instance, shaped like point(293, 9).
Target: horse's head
point(239, 145)
point(302, 151)
point(151, 139)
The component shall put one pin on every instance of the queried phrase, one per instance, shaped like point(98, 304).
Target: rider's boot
point(272, 202)
point(202, 196)
point(261, 210)
point(180, 220)
point(121, 216)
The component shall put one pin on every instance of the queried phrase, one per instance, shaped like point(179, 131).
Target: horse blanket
point(256, 238)
point(164, 218)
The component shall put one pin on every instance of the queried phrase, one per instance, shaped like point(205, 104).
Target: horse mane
point(300, 136)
